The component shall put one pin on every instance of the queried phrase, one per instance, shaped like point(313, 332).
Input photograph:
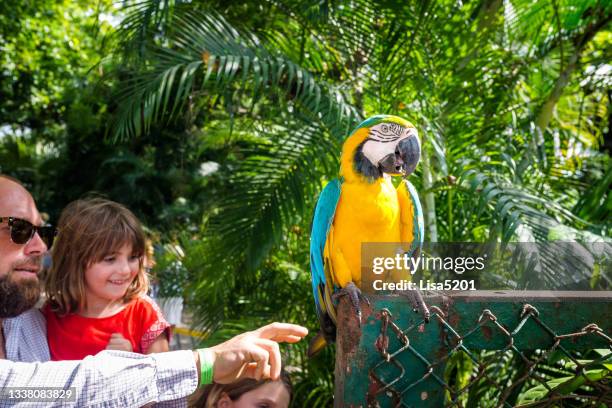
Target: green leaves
point(267, 92)
point(576, 385)
point(206, 52)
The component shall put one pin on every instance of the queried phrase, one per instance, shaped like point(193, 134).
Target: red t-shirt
point(74, 337)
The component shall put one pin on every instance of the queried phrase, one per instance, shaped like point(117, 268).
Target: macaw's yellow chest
point(370, 209)
point(366, 212)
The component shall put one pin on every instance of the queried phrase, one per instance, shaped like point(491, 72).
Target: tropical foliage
point(219, 123)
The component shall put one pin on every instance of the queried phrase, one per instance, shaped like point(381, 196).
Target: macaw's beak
point(404, 160)
point(410, 152)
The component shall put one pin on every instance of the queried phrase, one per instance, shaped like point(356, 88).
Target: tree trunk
point(431, 233)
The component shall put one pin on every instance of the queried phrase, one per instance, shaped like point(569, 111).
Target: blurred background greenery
point(218, 122)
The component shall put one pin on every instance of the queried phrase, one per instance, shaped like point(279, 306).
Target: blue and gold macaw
point(364, 206)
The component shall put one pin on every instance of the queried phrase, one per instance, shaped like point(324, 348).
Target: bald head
point(4, 176)
point(19, 263)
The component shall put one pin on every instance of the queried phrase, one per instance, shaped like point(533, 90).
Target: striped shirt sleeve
point(108, 379)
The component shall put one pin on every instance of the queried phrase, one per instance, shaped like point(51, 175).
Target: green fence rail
point(480, 349)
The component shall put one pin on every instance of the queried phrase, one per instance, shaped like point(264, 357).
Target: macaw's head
point(382, 144)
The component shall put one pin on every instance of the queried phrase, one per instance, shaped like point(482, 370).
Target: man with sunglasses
point(110, 378)
point(21, 251)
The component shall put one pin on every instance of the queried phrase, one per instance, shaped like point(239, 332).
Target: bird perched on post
point(364, 207)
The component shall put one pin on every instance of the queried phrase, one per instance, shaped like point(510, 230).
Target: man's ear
point(224, 401)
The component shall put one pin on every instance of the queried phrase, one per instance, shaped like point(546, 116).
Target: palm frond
point(207, 51)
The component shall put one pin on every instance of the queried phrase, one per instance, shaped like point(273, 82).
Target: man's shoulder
point(31, 317)
point(26, 337)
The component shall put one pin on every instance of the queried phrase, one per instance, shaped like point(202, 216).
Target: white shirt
point(108, 379)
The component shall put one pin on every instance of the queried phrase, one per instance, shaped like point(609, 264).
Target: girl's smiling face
point(109, 279)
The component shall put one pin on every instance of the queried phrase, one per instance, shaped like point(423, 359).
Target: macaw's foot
point(354, 295)
point(418, 304)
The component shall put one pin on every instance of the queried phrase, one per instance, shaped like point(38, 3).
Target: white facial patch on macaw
point(383, 139)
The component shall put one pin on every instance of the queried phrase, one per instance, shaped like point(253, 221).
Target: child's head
point(98, 252)
point(245, 393)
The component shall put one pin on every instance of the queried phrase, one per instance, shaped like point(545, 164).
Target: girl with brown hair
point(247, 393)
point(96, 287)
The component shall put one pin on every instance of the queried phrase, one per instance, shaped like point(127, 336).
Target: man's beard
point(17, 296)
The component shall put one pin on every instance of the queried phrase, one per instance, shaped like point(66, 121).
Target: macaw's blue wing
point(321, 286)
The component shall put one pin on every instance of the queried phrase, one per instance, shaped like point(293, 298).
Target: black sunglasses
point(23, 231)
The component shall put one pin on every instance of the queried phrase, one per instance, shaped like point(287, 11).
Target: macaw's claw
point(418, 304)
point(355, 296)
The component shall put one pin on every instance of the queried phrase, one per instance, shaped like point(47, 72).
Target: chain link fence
point(482, 349)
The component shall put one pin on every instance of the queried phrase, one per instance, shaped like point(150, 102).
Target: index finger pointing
point(282, 332)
